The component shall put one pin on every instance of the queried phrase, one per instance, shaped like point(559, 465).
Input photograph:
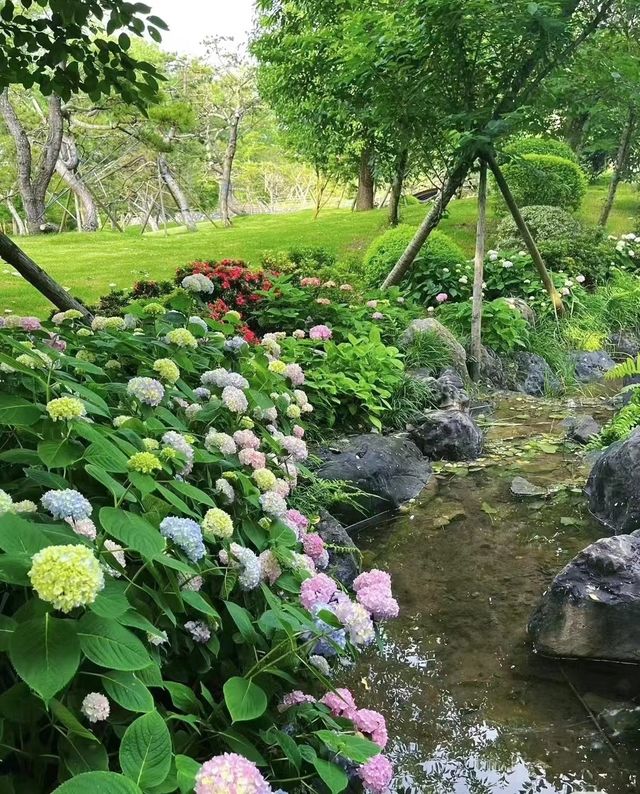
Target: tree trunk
point(524, 231)
point(478, 275)
point(67, 166)
point(621, 162)
point(176, 193)
point(33, 189)
point(364, 199)
point(17, 220)
point(36, 276)
point(451, 184)
point(396, 186)
point(227, 166)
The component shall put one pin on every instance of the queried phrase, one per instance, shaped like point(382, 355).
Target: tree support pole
point(524, 231)
point(478, 275)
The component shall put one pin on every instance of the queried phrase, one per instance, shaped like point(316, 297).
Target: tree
point(486, 61)
point(63, 49)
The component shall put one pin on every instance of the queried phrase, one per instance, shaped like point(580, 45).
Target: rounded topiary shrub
point(545, 223)
point(437, 270)
point(545, 179)
point(541, 146)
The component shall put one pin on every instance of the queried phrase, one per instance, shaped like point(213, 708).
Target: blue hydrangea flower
point(186, 534)
point(235, 344)
point(147, 390)
point(330, 637)
point(67, 503)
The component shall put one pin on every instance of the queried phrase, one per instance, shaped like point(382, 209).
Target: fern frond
point(619, 428)
point(627, 369)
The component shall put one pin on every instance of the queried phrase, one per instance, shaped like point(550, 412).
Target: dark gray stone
point(390, 470)
point(581, 429)
point(532, 375)
point(344, 565)
point(592, 366)
point(492, 370)
point(448, 390)
point(448, 435)
point(613, 487)
point(625, 343)
point(592, 609)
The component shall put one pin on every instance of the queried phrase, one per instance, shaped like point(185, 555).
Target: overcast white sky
point(190, 21)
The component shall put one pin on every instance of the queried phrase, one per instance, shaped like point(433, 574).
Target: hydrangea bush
point(166, 622)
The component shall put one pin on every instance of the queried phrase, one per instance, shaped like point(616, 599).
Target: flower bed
point(166, 624)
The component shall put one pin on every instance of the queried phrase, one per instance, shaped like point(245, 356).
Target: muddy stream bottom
point(469, 707)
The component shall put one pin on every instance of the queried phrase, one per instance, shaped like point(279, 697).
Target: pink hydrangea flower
point(317, 590)
point(321, 332)
point(294, 698)
point(313, 545)
point(373, 724)
point(30, 324)
point(246, 439)
point(270, 570)
point(357, 622)
point(281, 487)
point(346, 287)
point(84, 527)
point(341, 703)
point(253, 458)
point(230, 773)
point(373, 591)
point(297, 520)
point(296, 447)
point(95, 707)
point(310, 281)
point(323, 302)
point(377, 316)
point(376, 775)
point(298, 431)
point(441, 297)
point(295, 374)
point(371, 304)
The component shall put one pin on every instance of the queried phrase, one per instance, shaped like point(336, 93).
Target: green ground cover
point(88, 263)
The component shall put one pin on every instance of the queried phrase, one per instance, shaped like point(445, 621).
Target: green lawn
point(88, 263)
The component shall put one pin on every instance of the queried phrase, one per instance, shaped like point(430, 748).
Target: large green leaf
point(111, 601)
point(335, 778)
point(198, 602)
point(355, 748)
point(145, 751)
point(108, 644)
point(242, 618)
point(187, 770)
point(112, 485)
point(81, 755)
point(7, 627)
point(133, 531)
point(70, 721)
point(244, 699)
point(18, 536)
point(16, 410)
point(98, 783)
point(182, 697)
point(45, 653)
point(59, 454)
point(127, 691)
point(14, 569)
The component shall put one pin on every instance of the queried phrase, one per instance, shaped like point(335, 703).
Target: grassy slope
point(87, 264)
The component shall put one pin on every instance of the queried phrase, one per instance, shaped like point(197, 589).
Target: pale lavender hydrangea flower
point(270, 570)
point(273, 504)
point(235, 344)
point(357, 622)
point(295, 374)
point(246, 439)
point(189, 582)
point(294, 698)
point(66, 503)
point(186, 534)
point(198, 630)
point(178, 442)
point(148, 390)
point(225, 489)
point(230, 773)
point(234, 399)
point(249, 577)
point(202, 393)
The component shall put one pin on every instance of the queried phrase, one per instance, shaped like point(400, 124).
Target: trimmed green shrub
point(546, 179)
point(544, 222)
point(532, 145)
point(504, 329)
point(438, 269)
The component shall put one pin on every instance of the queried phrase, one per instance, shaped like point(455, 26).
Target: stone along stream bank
point(470, 707)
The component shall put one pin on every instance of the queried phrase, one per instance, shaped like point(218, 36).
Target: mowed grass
point(87, 264)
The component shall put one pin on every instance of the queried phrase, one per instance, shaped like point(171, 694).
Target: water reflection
point(470, 709)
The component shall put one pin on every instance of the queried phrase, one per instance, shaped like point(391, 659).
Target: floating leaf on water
point(488, 509)
point(568, 521)
point(546, 446)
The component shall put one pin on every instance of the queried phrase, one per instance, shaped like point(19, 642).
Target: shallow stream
point(469, 707)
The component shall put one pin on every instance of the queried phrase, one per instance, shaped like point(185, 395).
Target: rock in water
point(592, 609)
point(390, 469)
point(581, 429)
point(522, 487)
point(343, 564)
point(448, 389)
point(592, 366)
point(613, 487)
point(533, 375)
point(448, 435)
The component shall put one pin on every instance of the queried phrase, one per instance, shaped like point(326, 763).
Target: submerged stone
point(449, 435)
point(592, 608)
point(522, 487)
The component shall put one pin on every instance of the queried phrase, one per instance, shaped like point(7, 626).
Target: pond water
point(469, 707)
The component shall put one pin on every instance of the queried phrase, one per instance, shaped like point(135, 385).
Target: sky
point(190, 21)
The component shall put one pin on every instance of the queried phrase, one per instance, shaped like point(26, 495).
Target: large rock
point(448, 390)
point(492, 370)
point(613, 486)
point(389, 470)
point(625, 343)
point(344, 563)
point(532, 375)
point(431, 325)
point(581, 429)
point(448, 435)
point(592, 609)
point(592, 366)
